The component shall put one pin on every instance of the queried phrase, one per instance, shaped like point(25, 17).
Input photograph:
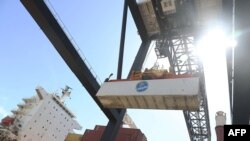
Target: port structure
point(175, 41)
point(178, 44)
point(176, 49)
point(236, 19)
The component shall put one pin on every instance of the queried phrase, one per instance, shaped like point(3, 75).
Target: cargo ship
point(43, 117)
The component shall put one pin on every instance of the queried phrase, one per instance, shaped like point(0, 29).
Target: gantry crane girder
point(50, 26)
point(57, 36)
point(197, 121)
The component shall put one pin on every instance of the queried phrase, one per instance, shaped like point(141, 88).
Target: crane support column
point(113, 126)
point(241, 97)
point(122, 42)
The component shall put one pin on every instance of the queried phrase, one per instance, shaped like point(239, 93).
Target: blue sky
point(28, 59)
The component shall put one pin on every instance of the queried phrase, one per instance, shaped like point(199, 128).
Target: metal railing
point(70, 37)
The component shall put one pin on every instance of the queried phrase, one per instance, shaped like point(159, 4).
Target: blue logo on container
point(142, 86)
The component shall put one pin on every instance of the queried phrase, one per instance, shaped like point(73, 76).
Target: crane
point(172, 24)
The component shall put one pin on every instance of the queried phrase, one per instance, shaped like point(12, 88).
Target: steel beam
point(158, 9)
point(51, 28)
point(49, 25)
point(134, 9)
point(141, 55)
point(227, 21)
point(241, 91)
point(113, 126)
point(122, 41)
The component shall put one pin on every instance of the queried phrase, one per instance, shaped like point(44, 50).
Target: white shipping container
point(177, 94)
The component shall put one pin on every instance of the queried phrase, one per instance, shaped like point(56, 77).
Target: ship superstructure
point(43, 117)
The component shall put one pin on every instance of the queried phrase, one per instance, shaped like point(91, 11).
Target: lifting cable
point(152, 44)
